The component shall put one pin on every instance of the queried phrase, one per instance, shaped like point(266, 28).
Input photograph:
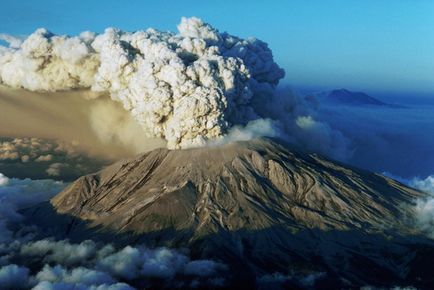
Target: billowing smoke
point(187, 87)
point(253, 129)
point(193, 88)
point(113, 126)
point(98, 128)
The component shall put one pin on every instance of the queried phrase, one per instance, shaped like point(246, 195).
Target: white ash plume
point(186, 88)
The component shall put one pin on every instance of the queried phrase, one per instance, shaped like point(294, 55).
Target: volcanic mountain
point(345, 97)
point(261, 207)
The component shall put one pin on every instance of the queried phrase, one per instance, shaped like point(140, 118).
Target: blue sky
point(370, 45)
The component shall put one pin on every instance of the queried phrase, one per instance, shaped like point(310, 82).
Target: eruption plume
point(186, 88)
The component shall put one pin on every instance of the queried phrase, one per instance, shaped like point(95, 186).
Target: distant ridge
point(344, 96)
point(349, 98)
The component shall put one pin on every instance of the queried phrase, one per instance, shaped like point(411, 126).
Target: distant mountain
point(346, 97)
point(260, 207)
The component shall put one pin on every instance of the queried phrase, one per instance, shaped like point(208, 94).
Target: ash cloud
point(186, 87)
point(195, 87)
point(192, 88)
point(253, 129)
point(96, 127)
point(112, 125)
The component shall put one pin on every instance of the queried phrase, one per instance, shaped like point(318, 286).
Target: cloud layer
point(424, 207)
point(28, 260)
point(42, 158)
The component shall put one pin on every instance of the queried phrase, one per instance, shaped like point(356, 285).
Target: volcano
point(260, 207)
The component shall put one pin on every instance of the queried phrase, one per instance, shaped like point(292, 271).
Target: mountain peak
point(258, 202)
point(344, 96)
point(249, 184)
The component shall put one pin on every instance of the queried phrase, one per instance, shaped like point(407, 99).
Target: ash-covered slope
point(246, 185)
point(257, 202)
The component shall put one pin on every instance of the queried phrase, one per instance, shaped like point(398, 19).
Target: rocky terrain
point(260, 207)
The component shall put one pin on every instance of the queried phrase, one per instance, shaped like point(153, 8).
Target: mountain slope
point(247, 185)
point(345, 97)
point(258, 205)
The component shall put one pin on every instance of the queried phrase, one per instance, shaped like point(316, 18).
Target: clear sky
point(371, 45)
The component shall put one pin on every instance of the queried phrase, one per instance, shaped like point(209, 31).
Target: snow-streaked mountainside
point(258, 206)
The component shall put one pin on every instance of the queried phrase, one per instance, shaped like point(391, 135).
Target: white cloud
point(14, 42)
point(424, 208)
point(305, 122)
point(61, 252)
point(78, 275)
point(426, 185)
point(44, 158)
point(3, 180)
point(84, 265)
point(277, 280)
point(130, 263)
point(202, 268)
point(20, 193)
point(253, 129)
point(124, 264)
point(55, 169)
point(13, 277)
point(45, 285)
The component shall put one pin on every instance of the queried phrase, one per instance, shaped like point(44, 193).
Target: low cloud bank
point(27, 262)
point(382, 138)
point(424, 207)
point(18, 193)
point(393, 288)
point(14, 277)
point(280, 281)
point(426, 185)
point(43, 158)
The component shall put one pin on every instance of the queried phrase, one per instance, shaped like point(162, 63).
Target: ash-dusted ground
point(260, 208)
